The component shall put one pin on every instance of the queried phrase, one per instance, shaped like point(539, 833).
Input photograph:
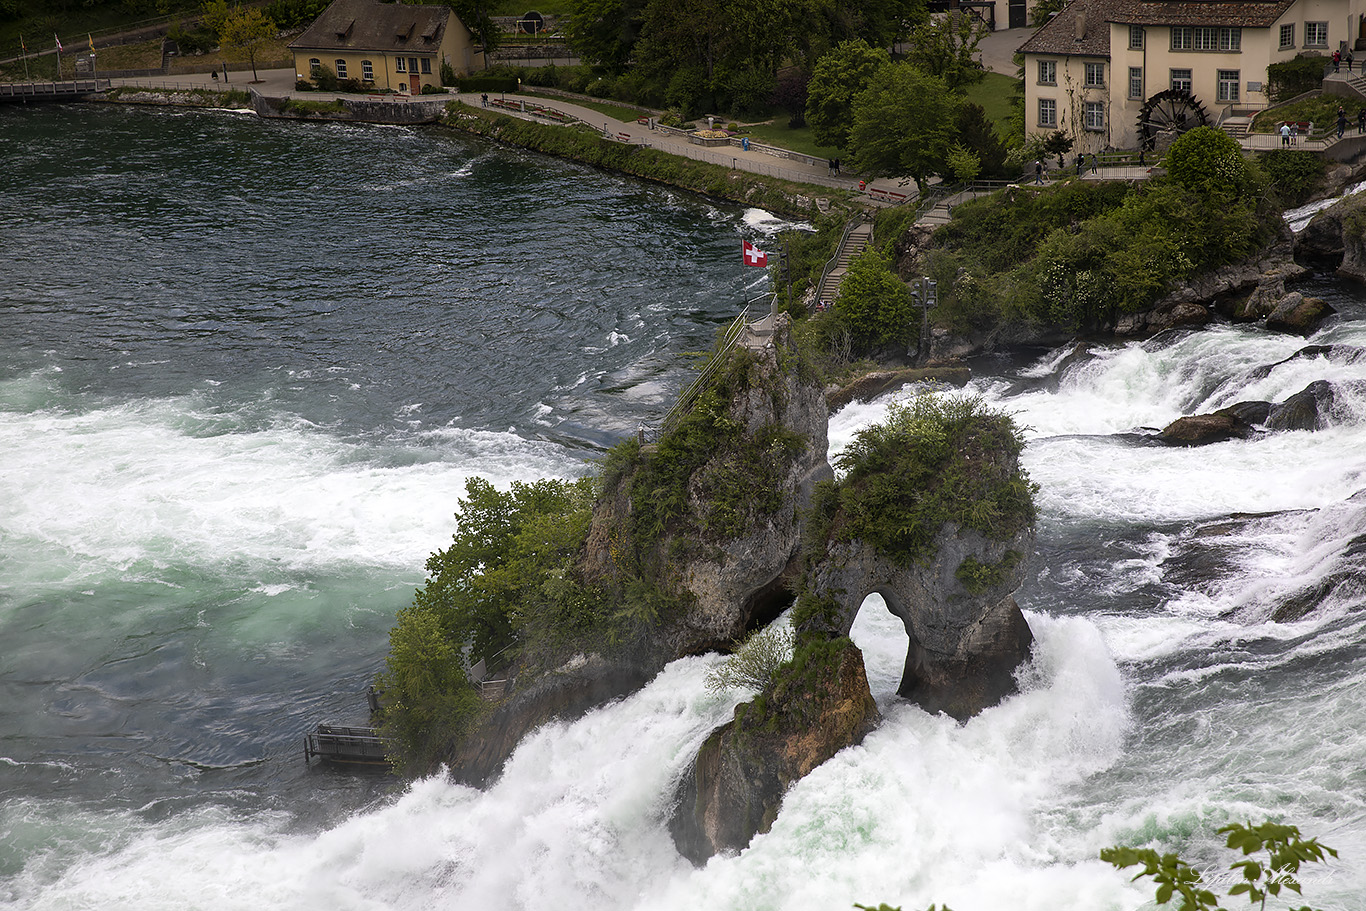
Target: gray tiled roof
point(1059, 34)
point(368, 25)
point(1242, 13)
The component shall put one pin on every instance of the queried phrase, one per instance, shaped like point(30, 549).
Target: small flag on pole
point(59, 42)
point(92, 42)
point(22, 44)
point(754, 256)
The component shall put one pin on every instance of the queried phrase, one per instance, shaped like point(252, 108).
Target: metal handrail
point(833, 261)
point(699, 385)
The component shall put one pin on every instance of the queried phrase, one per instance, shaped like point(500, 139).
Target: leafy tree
point(903, 124)
point(964, 164)
point(875, 303)
point(243, 33)
point(1293, 172)
point(947, 48)
point(789, 94)
point(1286, 853)
point(605, 32)
point(213, 15)
point(1045, 10)
point(486, 586)
point(836, 81)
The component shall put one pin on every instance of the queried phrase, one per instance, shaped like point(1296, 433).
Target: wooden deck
point(24, 92)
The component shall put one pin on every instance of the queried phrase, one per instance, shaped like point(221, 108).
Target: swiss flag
point(754, 256)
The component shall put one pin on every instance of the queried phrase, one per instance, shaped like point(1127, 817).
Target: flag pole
point(24, 48)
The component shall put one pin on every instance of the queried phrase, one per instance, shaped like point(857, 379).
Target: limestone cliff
point(935, 515)
point(735, 788)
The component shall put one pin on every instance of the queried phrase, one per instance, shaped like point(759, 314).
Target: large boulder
point(1308, 409)
point(735, 787)
point(1203, 429)
point(1298, 314)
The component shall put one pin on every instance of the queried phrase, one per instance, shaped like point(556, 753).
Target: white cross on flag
point(754, 256)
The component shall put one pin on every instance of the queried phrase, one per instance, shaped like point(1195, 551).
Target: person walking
point(1348, 58)
point(1295, 133)
point(1081, 163)
point(1285, 135)
point(1342, 121)
point(1095, 163)
point(1337, 60)
point(1038, 171)
point(1361, 118)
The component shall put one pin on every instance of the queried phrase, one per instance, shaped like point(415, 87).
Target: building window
point(400, 65)
point(1316, 34)
point(1095, 115)
point(1181, 81)
point(1048, 72)
point(1048, 112)
point(341, 68)
point(367, 71)
point(1135, 82)
point(1228, 85)
point(1181, 37)
point(1136, 37)
point(426, 66)
point(1205, 38)
point(315, 66)
point(1287, 36)
point(1230, 39)
point(1095, 74)
point(412, 64)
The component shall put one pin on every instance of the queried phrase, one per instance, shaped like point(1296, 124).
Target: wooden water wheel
point(1173, 111)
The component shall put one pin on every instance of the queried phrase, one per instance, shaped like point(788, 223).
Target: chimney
point(1080, 21)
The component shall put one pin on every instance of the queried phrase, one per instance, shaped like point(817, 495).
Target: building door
point(1018, 14)
point(415, 84)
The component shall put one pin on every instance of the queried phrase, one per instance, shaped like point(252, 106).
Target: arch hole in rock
point(881, 636)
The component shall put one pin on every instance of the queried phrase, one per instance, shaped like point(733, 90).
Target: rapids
point(245, 369)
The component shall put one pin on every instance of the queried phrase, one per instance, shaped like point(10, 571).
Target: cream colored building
point(386, 45)
point(1114, 73)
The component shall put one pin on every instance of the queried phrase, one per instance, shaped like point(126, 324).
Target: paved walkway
point(279, 83)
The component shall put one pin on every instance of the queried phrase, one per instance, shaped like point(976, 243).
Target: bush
point(875, 303)
point(1294, 77)
point(934, 460)
point(1293, 173)
point(325, 78)
point(1208, 161)
point(756, 662)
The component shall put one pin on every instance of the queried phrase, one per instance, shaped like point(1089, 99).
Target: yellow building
point(1116, 73)
point(386, 45)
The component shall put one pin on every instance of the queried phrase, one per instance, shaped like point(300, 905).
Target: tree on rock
point(244, 30)
point(904, 124)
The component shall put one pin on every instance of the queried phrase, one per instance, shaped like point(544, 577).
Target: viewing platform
point(26, 92)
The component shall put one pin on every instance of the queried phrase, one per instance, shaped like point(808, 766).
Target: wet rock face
point(967, 634)
point(734, 789)
point(1203, 429)
point(1308, 409)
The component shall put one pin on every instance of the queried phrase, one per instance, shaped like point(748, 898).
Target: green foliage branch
point(1286, 852)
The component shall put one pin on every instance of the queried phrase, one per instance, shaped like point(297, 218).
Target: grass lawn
point(1321, 111)
point(628, 115)
point(776, 132)
point(994, 94)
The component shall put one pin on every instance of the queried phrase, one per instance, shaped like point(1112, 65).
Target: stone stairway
point(1237, 127)
point(855, 242)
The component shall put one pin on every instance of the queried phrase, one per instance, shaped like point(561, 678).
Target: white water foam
point(103, 489)
point(925, 810)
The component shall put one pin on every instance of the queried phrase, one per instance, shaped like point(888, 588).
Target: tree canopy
point(836, 81)
point(904, 123)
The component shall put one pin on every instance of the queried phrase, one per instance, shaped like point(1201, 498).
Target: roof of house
point(1242, 13)
point(1080, 29)
point(1059, 35)
point(368, 25)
